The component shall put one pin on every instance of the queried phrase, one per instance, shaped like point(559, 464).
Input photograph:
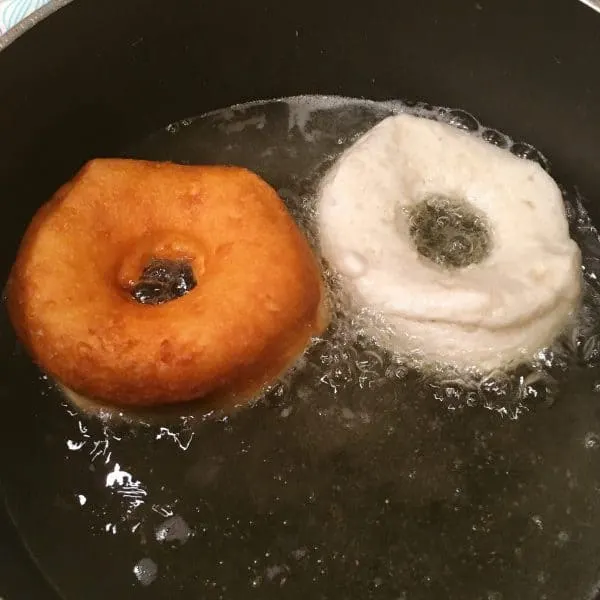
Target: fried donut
point(509, 278)
point(144, 284)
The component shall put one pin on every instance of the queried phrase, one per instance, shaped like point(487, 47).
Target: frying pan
point(95, 78)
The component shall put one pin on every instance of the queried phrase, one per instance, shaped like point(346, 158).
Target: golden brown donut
point(257, 301)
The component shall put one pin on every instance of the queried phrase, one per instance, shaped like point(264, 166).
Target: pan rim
point(51, 7)
point(28, 22)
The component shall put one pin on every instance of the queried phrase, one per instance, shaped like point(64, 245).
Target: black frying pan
point(256, 507)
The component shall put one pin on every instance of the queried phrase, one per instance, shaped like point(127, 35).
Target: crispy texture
point(257, 303)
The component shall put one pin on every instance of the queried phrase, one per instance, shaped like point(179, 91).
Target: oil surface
point(353, 477)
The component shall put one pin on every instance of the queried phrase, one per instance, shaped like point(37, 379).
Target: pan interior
point(353, 477)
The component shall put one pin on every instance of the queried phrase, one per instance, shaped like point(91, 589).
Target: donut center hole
point(449, 232)
point(163, 280)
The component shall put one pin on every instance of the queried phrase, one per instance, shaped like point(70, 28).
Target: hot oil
point(354, 476)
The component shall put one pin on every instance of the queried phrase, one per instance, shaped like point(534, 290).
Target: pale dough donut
point(494, 313)
point(257, 302)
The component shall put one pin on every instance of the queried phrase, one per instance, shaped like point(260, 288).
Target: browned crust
point(257, 303)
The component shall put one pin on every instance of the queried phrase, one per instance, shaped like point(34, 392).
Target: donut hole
point(449, 232)
point(163, 280)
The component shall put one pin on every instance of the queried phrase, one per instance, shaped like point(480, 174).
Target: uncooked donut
point(496, 311)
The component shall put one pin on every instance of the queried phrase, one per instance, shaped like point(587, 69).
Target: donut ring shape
point(257, 302)
point(494, 313)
